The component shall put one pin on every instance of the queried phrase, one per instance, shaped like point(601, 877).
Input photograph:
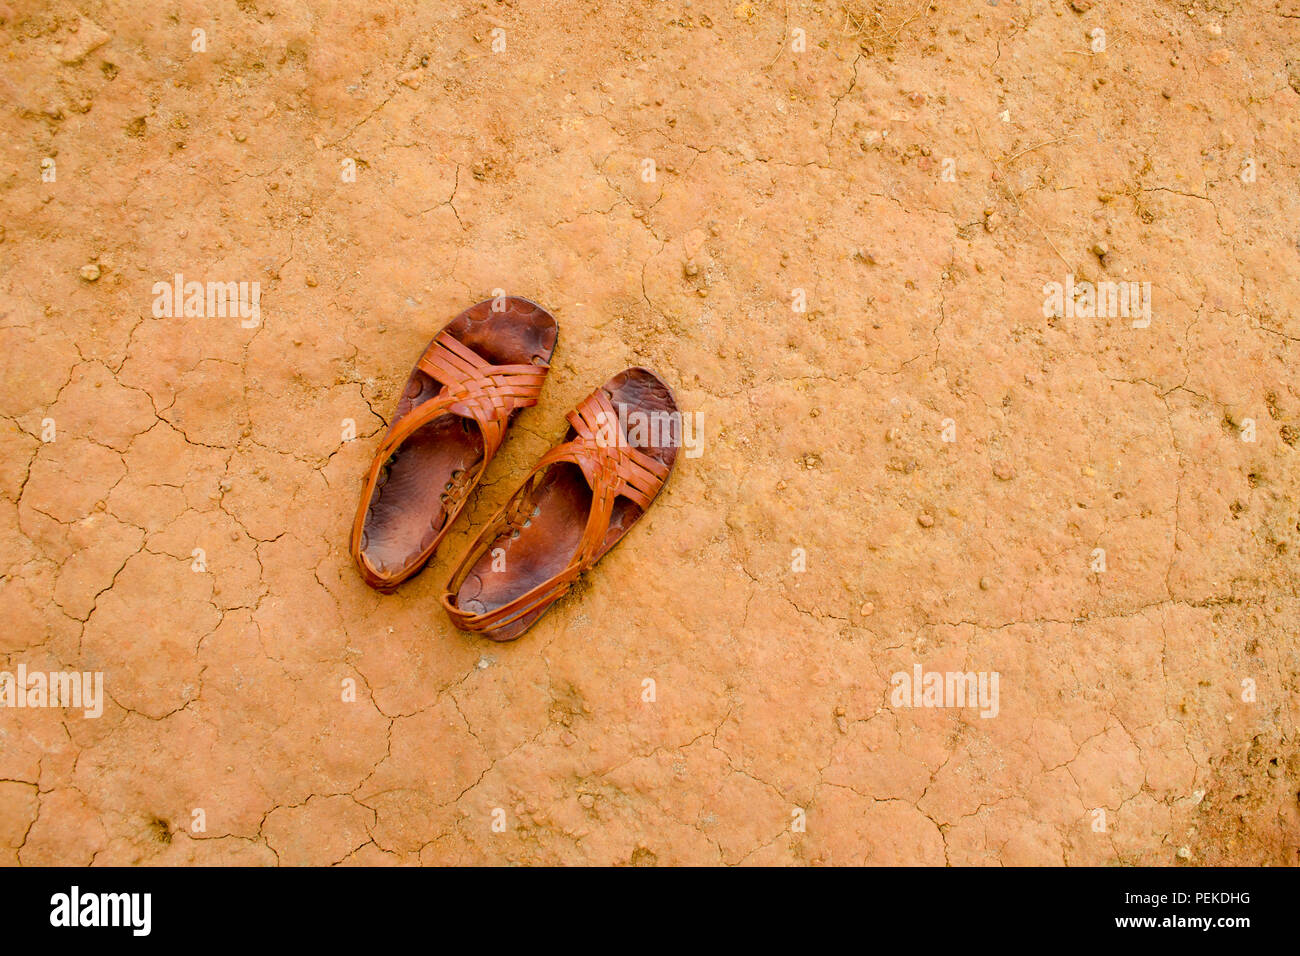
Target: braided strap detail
point(477, 389)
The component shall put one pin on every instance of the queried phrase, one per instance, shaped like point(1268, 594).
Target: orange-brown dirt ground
point(925, 466)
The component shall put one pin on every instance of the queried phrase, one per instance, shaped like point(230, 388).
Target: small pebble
point(90, 272)
point(925, 520)
point(1184, 853)
point(985, 583)
point(868, 609)
point(311, 281)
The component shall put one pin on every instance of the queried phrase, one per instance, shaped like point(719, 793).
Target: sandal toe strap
point(475, 388)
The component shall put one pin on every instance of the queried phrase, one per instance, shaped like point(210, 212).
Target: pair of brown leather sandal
point(579, 500)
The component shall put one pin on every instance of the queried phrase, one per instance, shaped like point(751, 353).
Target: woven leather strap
point(612, 468)
point(473, 388)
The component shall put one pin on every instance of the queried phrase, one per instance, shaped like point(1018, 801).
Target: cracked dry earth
point(1147, 711)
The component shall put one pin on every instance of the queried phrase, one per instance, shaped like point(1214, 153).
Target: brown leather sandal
point(464, 391)
point(580, 499)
